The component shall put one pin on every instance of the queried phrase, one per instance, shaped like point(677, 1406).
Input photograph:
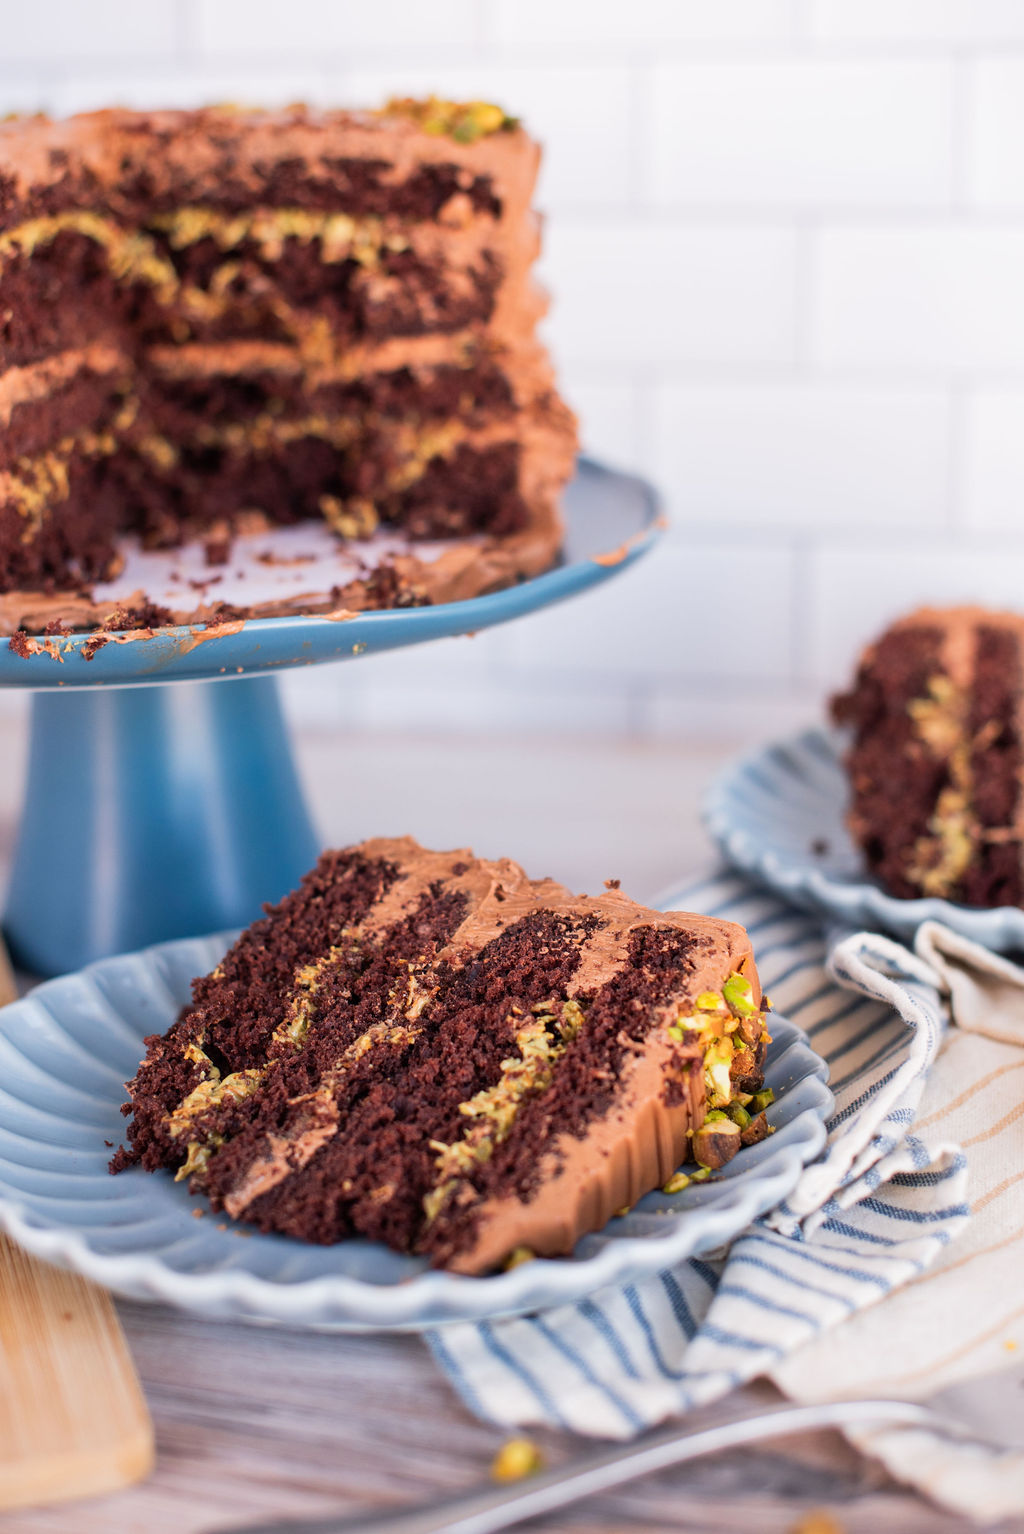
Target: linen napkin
point(875, 1234)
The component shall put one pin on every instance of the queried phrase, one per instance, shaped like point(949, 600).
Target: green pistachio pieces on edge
point(739, 994)
point(677, 1182)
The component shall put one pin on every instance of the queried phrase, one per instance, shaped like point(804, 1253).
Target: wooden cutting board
point(73, 1419)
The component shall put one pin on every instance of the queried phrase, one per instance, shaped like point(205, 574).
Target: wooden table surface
point(253, 1423)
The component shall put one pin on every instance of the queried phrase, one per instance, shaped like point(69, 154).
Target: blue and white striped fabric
point(873, 1211)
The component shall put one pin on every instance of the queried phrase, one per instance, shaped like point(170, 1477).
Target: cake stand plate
point(154, 812)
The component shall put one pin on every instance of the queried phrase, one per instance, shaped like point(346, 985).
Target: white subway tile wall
point(785, 244)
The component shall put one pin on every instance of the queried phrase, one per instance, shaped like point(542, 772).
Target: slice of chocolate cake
point(434, 1051)
point(936, 765)
point(219, 318)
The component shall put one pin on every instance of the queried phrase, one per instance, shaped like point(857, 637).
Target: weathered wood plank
point(252, 1422)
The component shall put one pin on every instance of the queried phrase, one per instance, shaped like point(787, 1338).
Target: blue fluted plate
point(65, 1052)
point(778, 814)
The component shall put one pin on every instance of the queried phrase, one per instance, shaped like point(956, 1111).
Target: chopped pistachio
point(354, 518)
point(716, 1142)
point(195, 1161)
point(676, 1183)
point(755, 1131)
point(717, 1061)
point(463, 121)
point(620, 1214)
point(701, 1174)
point(739, 994)
point(198, 1156)
point(744, 1070)
point(515, 1459)
point(211, 1093)
point(739, 1115)
point(762, 1100)
point(715, 1115)
point(434, 1201)
point(517, 1256)
point(573, 1018)
point(709, 1001)
point(675, 1031)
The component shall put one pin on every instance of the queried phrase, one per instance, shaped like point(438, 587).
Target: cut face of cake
point(221, 319)
point(434, 1051)
point(936, 766)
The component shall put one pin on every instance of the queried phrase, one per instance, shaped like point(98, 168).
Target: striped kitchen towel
point(880, 1216)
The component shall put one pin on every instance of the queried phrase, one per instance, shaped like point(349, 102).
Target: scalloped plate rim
point(343, 1302)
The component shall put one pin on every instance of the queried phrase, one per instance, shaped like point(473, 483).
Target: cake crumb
point(93, 645)
point(516, 1459)
point(613, 884)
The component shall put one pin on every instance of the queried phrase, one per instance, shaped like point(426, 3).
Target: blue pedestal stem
point(152, 813)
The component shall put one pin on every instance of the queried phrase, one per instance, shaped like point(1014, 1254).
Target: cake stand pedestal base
point(153, 813)
point(162, 798)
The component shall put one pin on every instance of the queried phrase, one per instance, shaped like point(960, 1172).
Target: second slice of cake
point(435, 1051)
point(935, 759)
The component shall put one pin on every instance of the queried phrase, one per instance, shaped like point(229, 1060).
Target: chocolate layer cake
point(936, 764)
point(434, 1051)
point(220, 318)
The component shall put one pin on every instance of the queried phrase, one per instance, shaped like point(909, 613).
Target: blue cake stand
point(155, 811)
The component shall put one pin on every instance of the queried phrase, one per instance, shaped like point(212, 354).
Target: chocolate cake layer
point(366, 187)
point(370, 270)
point(936, 767)
point(434, 1051)
point(401, 293)
point(53, 409)
point(305, 473)
point(43, 311)
point(178, 407)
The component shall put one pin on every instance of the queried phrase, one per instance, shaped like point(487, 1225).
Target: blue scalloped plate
point(778, 814)
point(65, 1052)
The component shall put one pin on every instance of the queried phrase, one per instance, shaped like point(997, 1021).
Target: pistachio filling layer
point(135, 257)
point(131, 253)
point(942, 857)
point(542, 1039)
point(339, 236)
point(36, 486)
point(211, 1092)
point(406, 1002)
